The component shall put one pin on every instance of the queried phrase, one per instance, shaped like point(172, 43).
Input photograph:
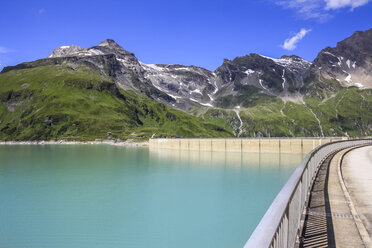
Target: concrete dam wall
point(262, 145)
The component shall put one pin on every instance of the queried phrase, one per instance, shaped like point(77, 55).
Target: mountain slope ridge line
point(277, 97)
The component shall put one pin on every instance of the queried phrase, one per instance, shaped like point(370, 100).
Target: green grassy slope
point(346, 113)
point(76, 103)
point(349, 111)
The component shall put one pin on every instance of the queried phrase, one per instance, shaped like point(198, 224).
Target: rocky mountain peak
point(108, 42)
point(360, 41)
point(65, 51)
point(292, 57)
point(107, 46)
point(110, 46)
point(182, 86)
point(350, 62)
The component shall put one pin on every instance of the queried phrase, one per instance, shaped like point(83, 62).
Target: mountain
point(256, 74)
point(180, 86)
point(251, 95)
point(74, 102)
point(350, 62)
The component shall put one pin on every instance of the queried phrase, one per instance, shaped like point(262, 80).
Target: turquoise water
point(104, 196)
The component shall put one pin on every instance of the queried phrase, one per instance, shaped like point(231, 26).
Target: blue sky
point(201, 33)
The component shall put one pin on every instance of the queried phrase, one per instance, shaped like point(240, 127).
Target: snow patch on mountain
point(348, 63)
point(195, 91)
point(261, 81)
point(121, 60)
point(283, 78)
point(166, 92)
point(348, 78)
point(249, 72)
point(152, 67)
point(240, 119)
point(330, 54)
point(359, 85)
point(203, 104)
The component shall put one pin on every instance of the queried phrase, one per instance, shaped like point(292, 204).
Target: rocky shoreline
point(128, 143)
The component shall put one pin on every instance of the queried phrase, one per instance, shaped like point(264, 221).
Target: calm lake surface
point(105, 196)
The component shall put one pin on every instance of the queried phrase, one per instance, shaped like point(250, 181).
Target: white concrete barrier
point(263, 145)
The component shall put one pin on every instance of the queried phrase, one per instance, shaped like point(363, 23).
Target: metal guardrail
point(279, 226)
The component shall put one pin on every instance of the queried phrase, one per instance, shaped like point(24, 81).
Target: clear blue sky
point(201, 32)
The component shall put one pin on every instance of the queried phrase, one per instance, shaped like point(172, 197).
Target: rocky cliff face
point(252, 76)
point(65, 51)
point(184, 87)
point(276, 77)
point(350, 62)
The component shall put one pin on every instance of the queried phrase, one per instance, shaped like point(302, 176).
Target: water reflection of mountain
point(227, 159)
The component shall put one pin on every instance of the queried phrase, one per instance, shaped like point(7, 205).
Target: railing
point(280, 224)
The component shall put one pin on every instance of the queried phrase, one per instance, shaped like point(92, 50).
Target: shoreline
point(127, 143)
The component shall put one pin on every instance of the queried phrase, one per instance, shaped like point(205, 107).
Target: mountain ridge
point(187, 87)
point(250, 96)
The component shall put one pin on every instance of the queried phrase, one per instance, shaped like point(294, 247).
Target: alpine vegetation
point(91, 93)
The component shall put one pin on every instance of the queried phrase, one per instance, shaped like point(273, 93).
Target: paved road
point(357, 175)
point(328, 219)
point(339, 212)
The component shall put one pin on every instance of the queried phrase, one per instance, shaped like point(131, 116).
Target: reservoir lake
point(80, 196)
